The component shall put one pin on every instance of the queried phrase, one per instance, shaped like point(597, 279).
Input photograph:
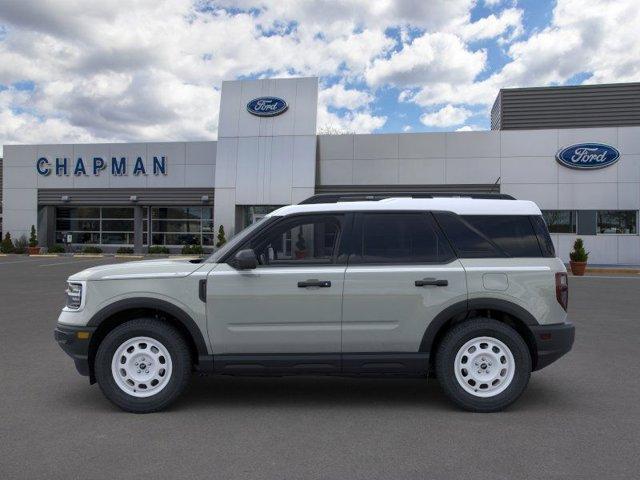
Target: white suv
point(468, 290)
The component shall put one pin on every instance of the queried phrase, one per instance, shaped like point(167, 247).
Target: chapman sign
point(118, 166)
point(267, 106)
point(588, 156)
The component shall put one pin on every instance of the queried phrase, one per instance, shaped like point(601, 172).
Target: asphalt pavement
point(579, 418)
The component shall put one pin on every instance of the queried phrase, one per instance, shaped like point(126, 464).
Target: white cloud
point(447, 116)
point(407, 128)
point(597, 38)
point(150, 70)
point(469, 128)
point(340, 97)
point(509, 22)
point(351, 122)
point(433, 57)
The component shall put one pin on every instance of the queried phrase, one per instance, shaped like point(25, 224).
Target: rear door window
point(400, 238)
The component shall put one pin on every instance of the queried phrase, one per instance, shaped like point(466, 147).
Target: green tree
point(7, 244)
point(221, 238)
point(579, 254)
point(33, 238)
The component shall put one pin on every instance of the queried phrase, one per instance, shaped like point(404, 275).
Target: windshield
point(237, 239)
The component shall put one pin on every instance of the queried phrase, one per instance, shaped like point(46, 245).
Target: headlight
point(74, 295)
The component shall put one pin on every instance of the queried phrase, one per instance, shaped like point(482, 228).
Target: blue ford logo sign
point(267, 106)
point(588, 156)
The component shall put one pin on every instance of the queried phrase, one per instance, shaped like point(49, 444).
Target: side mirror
point(245, 260)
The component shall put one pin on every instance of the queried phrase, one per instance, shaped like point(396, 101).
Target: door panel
point(402, 274)
point(264, 310)
point(290, 303)
point(384, 311)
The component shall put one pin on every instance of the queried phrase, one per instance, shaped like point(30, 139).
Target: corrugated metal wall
point(121, 196)
point(567, 107)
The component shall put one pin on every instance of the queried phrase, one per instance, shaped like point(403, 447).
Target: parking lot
point(579, 418)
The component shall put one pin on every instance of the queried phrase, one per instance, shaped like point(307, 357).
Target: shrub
point(7, 244)
point(158, 249)
point(33, 238)
point(192, 250)
point(20, 245)
point(91, 249)
point(125, 250)
point(579, 254)
point(57, 248)
point(221, 238)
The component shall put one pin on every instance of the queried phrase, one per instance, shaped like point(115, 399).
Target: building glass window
point(182, 226)
point(252, 213)
point(618, 222)
point(95, 225)
point(560, 221)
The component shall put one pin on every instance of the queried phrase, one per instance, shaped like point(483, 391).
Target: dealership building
point(575, 151)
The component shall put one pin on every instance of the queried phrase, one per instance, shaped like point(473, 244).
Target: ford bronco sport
point(468, 290)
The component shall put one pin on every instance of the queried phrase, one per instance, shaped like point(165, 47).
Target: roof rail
point(375, 196)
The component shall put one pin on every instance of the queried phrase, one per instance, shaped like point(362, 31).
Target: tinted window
point(306, 239)
point(513, 234)
point(402, 238)
point(468, 241)
point(617, 221)
point(544, 239)
point(560, 221)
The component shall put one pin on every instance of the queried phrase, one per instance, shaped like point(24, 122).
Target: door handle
point(431, 281)
point(202, 290)
point(314, 283)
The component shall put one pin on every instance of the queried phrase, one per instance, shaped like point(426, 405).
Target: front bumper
point(75, 342)
point(552, 342)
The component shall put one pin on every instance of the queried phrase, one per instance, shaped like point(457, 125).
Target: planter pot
point(578, 268)
point(33, 250)
point(300, 254)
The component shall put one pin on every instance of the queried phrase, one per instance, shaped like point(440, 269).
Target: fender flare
point(464, 307)
point(155, 304)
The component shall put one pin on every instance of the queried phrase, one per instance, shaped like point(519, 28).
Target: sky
point(77, 71)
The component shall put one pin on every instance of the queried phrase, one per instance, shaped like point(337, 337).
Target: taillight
point(562, 289)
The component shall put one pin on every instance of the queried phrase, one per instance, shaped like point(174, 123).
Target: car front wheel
point(483, 365)
point(143, 365)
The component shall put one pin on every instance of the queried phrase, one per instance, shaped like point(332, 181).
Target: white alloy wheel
point(484, 367)
point(141, 367)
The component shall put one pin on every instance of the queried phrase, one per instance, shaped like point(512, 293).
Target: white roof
point(459, 205)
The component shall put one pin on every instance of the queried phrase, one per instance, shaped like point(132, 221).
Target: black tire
point(177, 348)
point(455, 339)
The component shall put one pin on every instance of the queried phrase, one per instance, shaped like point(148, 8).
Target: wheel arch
point(121, 311)
point(502, 310)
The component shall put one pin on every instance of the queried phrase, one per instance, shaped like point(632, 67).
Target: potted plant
point(7, 244)
point(33, 249)
point(20, 245)
point(579, 257)
point(221, 238)
point(301, 246)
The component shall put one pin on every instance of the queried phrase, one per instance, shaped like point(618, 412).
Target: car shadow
point(233, 393)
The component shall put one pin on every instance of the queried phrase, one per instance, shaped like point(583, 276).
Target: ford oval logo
point(267, 106)
point(588, 156)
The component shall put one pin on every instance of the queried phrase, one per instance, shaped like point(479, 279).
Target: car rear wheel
point(483, 365)
point(143, 365)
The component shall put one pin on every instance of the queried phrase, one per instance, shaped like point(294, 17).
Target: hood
point(164, 268)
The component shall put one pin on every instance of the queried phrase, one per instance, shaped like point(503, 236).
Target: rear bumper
point(552, 342)
point(74, 345)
